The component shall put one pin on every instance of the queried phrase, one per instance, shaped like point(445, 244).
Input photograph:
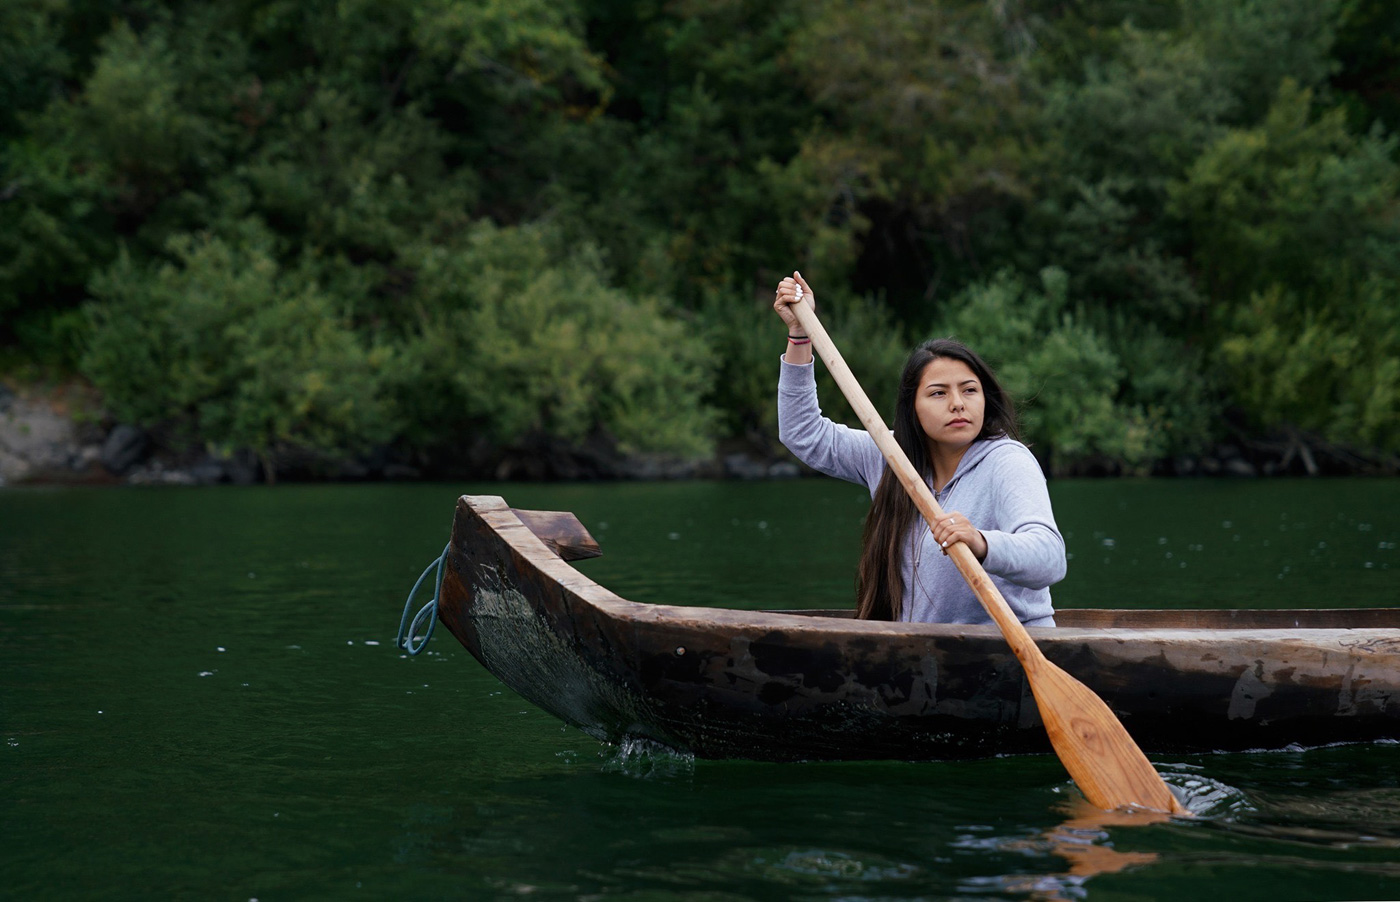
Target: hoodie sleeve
point(1026, 548)
point(825, 446)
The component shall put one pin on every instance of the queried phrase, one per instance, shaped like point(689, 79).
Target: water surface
point(200, 697)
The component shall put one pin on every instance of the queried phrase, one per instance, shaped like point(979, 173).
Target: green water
point(200, 698)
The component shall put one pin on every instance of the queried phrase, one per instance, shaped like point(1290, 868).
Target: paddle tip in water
point(1096, 749)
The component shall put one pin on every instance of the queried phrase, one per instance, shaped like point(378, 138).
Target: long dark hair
point(880, 582)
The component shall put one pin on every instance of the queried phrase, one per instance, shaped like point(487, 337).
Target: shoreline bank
point(52, 437)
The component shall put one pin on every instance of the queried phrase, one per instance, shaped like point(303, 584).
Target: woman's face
point(949, 402)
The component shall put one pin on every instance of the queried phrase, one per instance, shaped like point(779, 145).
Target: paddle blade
point(1095, 748)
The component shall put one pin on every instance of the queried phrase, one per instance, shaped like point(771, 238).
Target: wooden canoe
point(820, 685)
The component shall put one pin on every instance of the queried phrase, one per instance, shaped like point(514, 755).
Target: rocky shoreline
point(53, 437)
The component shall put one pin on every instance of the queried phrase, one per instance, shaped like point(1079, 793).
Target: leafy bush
point(521, 337)
point(235, 349)
point(34, 59)
point(1078, 402)
point(1332, 369)
point(1297, 224)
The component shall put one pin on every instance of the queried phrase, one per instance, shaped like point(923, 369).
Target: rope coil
point(427, 613)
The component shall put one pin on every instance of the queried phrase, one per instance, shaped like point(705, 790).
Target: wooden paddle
point(1097, 751)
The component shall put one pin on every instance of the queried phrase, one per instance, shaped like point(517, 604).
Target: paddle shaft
point(1092, 744)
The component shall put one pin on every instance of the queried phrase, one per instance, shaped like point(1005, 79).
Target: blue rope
point(426, 613)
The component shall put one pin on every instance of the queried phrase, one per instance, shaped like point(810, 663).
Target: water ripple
point(644, 759)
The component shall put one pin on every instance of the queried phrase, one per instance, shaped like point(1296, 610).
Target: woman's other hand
point(953, 527)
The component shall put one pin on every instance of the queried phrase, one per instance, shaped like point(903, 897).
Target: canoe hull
point(722, 683)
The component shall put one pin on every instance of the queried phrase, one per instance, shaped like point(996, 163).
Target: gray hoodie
point(998, 486)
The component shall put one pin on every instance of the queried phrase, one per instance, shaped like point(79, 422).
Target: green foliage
point(1142, 114)
point(1077, 402)
point(529, 47)
point(1367, 50)
point(747, 343)
point(1296, 200)
point(927, 130)
point(148, 124)
point(872, 343)
point(1256, 44)
point(1334, 371)
point(674, 183)
point(1298, 222)
point(243, 353)
point(500, 222)
point(34, 60)
point(1126, 126)
point(132, 115)
point(525, 338)
point(53, 231)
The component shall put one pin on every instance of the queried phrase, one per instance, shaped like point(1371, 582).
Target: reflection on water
point(260, 735)
point(1084, 842)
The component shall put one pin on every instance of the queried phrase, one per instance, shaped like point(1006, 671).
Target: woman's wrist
point(799, 349)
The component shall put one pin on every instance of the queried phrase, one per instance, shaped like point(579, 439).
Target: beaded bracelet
point(799, 340)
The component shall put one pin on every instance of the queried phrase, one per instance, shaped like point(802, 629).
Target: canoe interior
point(1199, 619)
point(567, 538)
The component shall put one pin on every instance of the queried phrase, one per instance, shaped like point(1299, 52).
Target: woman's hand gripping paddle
point(1109, 768)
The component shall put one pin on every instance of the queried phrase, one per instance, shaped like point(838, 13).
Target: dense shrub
point(1078, 403)
point(235, 349)
point(1297, 227)
point(520, 336)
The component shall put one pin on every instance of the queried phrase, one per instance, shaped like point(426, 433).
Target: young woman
point(958, 428)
